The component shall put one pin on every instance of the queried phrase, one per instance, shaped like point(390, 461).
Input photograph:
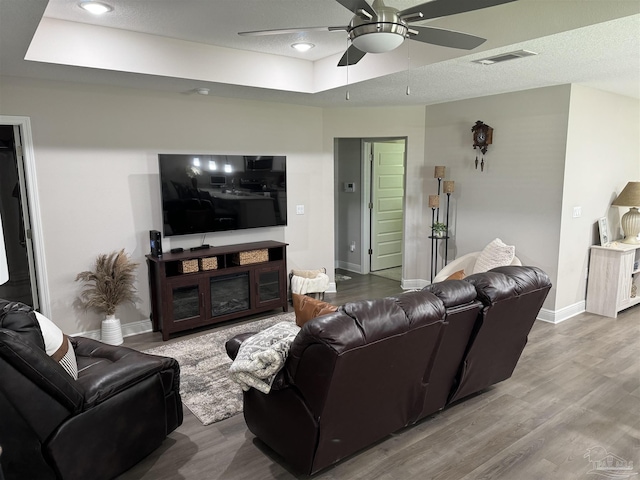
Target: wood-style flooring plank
point(576, 386)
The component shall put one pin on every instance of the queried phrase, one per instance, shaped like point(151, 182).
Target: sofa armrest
point(106, 370)
point(40, 369)
point(233, 344)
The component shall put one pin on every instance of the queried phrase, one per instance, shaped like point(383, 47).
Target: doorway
point(369, 205)
point(16, 220)
point(386, 203)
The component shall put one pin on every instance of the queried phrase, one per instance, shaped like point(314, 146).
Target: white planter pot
point(111, 331)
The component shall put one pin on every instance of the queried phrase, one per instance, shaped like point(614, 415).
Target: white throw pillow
point(58, 345)
point(495, 254)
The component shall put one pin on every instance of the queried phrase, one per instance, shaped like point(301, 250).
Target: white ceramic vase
point(111, 331)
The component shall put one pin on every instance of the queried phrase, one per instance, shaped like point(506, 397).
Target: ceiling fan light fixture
point(378, 42)
point(97, 8)
point(302, 46)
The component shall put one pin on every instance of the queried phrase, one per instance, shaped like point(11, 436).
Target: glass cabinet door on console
point(269, 285)
point(186, 299)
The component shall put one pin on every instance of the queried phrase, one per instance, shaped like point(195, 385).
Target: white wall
point(519, 195)
point(553, 149)
point(391, 122)
point(348, 207)
point(603, 154)
point(96, 161)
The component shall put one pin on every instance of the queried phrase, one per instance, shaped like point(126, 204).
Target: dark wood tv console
point(196, 288)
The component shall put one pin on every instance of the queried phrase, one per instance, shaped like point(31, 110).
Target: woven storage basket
point(209, 263)
point(252, 256)
point(188, 266)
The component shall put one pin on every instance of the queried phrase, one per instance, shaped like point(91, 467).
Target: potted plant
point(439, 229)
point(108, 285)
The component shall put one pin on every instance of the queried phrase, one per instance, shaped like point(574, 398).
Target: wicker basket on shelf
point(209, 263)
point(251, 256)
point(188, 266)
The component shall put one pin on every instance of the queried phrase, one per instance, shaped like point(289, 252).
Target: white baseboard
point(128, 329)
point(351, 267)
point(413, 283)
point(557, 316)
point(331, 288)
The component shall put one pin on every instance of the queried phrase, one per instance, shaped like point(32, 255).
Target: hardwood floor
point(577, 386)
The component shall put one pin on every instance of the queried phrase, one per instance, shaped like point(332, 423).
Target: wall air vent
point(505, 57)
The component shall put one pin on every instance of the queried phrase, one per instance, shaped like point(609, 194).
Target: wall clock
point(482, 138)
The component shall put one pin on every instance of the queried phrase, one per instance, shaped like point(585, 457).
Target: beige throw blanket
point(261, 356)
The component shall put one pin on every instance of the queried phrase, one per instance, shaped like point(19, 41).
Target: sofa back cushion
point(361, 369)
point(512, 297)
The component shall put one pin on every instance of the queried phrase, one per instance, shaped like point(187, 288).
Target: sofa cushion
point(495, 254)
point(453, 293)
point(459, 275)
point(307, 308)
point(57, 345)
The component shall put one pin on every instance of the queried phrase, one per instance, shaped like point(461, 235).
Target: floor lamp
point(4, 267)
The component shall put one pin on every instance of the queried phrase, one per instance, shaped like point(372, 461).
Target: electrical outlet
point(299, 209)
point(577, 212)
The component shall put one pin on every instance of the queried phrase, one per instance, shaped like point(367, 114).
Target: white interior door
point(387, 204)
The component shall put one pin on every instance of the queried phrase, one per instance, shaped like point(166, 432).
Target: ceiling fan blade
point(282, 31)
point(446, 38)
point(355, 5)
point(442, 8)
point(351, 56)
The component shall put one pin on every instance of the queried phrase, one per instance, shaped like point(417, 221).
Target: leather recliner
point(122, 406)
point(375, 366)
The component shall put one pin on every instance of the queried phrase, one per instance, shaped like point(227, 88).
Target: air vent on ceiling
point(505, 57)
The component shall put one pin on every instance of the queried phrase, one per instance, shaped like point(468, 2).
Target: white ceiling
point(177, 46)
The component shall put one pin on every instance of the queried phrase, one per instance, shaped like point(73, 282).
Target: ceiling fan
point(378, 28)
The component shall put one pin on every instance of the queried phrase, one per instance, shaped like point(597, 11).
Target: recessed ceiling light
point(303, 46)
point(97, 8)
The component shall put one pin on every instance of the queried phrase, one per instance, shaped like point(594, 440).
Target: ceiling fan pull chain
point(347, 96)
point(408, 68)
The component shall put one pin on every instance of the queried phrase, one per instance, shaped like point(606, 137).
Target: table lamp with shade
point(4, 267)
point(630, 221)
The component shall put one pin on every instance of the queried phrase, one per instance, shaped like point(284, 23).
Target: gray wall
point(348, 206)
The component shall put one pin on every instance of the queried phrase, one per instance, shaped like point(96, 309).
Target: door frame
point(33, 208)
point(365, 181)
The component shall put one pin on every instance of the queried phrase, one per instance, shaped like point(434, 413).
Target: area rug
point(205, 386)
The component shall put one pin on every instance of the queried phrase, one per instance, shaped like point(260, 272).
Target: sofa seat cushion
point(495, 254)
point(106, 370)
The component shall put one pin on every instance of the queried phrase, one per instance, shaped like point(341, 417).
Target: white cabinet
point(613, 279)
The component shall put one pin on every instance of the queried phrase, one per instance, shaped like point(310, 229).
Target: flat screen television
point(212, 193)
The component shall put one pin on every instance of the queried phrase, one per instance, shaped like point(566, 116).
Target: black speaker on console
point(155, 240)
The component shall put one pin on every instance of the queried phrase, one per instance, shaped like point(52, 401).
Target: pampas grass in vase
point(108, 285)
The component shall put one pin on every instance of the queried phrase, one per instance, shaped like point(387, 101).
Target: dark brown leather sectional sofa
point(120, 409)
point(375, 366)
